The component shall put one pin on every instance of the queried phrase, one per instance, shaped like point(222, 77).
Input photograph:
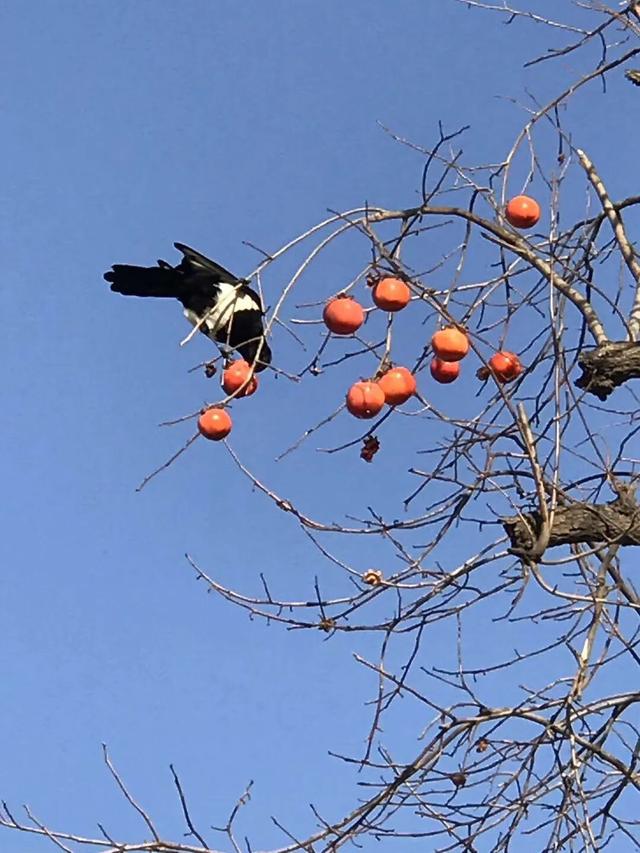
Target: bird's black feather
point(193, 261)
point(160, 282)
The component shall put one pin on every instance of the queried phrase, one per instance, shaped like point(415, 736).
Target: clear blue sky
point(128, 126)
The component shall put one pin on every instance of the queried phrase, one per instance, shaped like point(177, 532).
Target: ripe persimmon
point(236, 375)
point(505, 365)
point(215, 423)
point(444, 371)
point(365, 399)
point(391, 294)
point(450, 344)
point(522, 212)
point(398, 385)
point(342, 315)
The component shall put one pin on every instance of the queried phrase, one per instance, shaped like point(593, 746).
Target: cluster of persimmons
point(393, 385)
point(238, 380)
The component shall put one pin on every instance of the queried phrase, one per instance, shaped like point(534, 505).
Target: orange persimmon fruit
point(391, 294)
point(522, 212)
point(236, 375)
point(398, 385)
point(444, 371)
point(505, 365)
point(215, 424)
point(365, 399)
point(450, 344)
point(342, 315)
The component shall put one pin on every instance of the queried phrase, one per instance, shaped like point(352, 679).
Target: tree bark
point(608, 366)
point(580, 523)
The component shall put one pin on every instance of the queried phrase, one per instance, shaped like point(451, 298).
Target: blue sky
point(211, 122)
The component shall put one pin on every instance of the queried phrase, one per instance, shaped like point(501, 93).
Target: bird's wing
point(634, 76)
point(249, 291)
point(195, 261)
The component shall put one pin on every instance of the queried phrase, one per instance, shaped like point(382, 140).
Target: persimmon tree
point(532, 735)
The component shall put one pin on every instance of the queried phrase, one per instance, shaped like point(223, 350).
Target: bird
point(633, 75)
point(219, 303)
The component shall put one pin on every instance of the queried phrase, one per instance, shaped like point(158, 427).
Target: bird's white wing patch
point(229, 301)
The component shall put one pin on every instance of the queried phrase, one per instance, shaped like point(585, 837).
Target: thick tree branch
point(581, 523)
point(608, 366)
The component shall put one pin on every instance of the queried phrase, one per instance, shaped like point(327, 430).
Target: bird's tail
point(161, 281)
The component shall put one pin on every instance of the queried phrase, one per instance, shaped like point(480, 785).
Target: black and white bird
point(222, 305)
